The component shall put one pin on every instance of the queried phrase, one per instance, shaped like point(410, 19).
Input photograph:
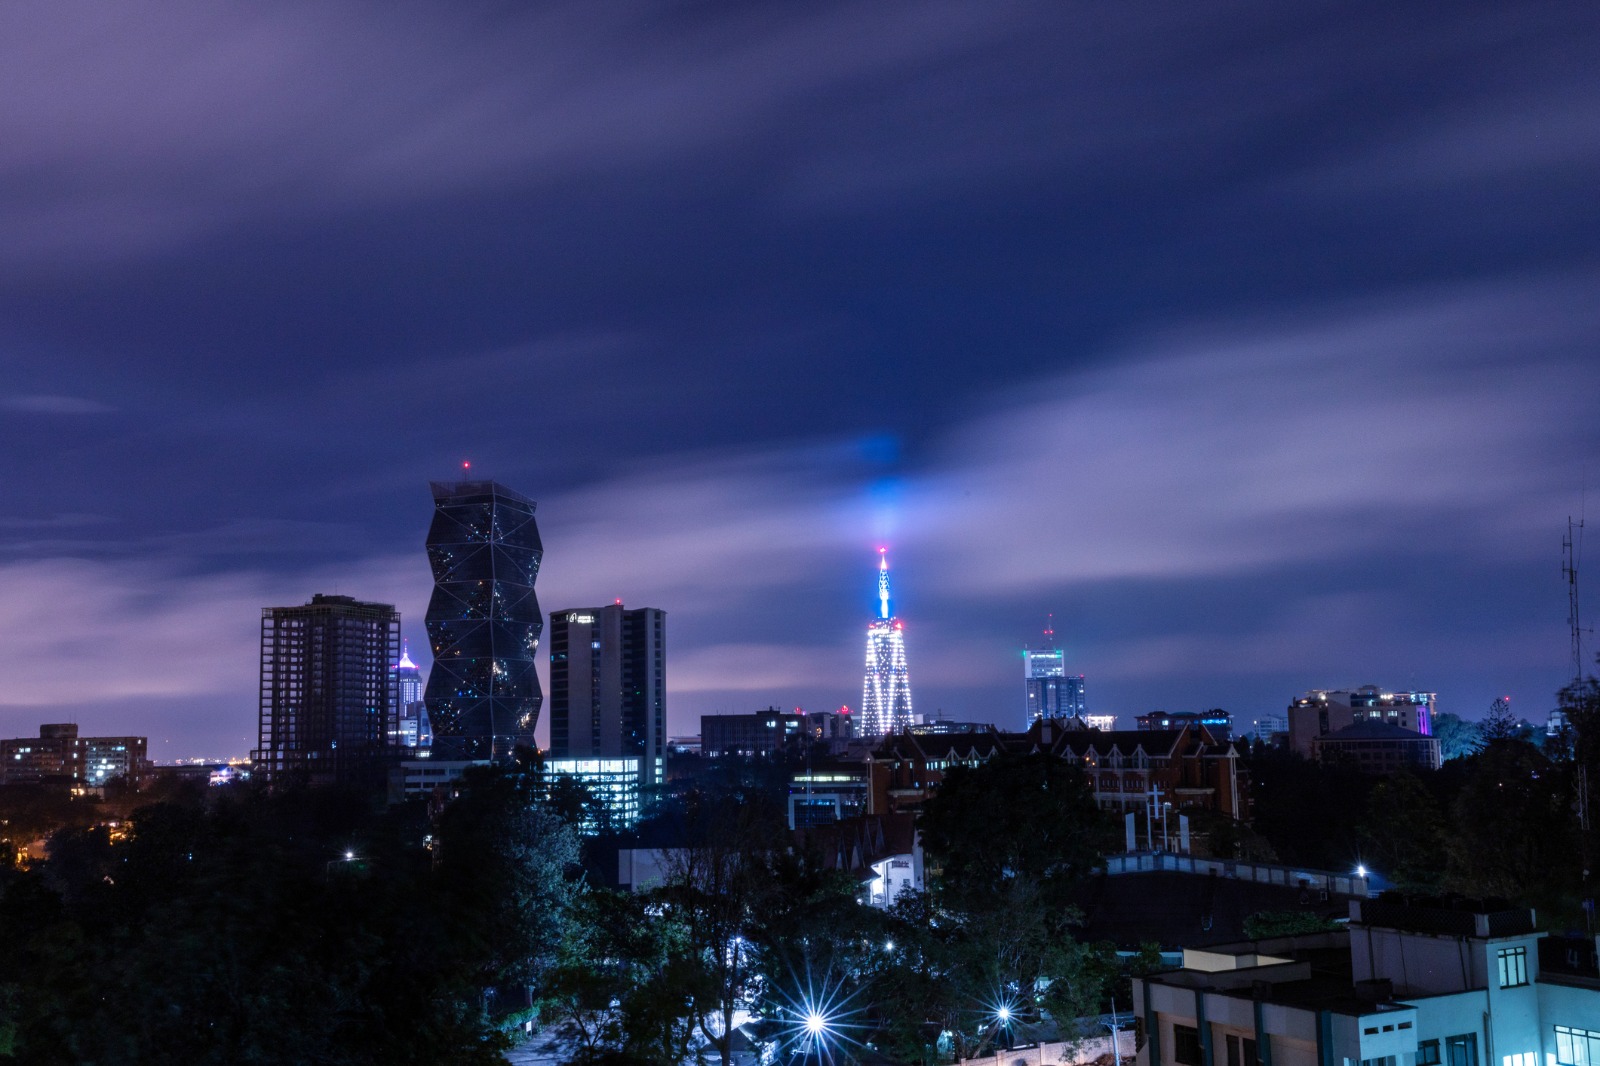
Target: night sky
point(1256, 341)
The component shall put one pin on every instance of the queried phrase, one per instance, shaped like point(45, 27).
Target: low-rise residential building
point(413, 778)
point(828, 791)
point(1217, 722)
point(765, 732)
point(1410, 982)
point(1130, 771)
point(1323, 711)
point(58, 755)
point(884, 853)
point(1378, 748)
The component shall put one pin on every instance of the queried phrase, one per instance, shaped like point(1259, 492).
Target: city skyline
point(1255, 342)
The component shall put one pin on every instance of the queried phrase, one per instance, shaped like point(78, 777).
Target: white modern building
point(1408, 983)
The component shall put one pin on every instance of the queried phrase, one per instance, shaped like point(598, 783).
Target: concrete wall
point(1061, 1053)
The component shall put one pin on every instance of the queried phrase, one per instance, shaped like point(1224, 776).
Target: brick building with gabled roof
point(1129, 770)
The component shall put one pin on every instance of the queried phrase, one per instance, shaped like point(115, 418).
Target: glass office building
point(484, 624)
point(612, 783)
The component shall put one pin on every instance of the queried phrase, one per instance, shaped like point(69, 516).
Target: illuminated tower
point(484, 623)
point(1050, 692)
point(407, 678)
point(411, 728)
point(886, 693)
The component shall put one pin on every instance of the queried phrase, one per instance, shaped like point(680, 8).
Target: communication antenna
point(1571, 553)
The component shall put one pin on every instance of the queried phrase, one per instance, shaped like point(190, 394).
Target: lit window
point(1524, 1058)
point(1513, 967)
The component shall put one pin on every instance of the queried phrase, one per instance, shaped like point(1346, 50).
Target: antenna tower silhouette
point(1571, 553)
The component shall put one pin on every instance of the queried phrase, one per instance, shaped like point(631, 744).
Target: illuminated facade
point(886, 692)
point(1048, 690)
point(411, 728)
point(407, 678)
point(1055, 697)
point(613, 785)
point(484, 623)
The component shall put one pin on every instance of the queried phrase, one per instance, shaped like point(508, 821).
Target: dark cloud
point(1254, 340)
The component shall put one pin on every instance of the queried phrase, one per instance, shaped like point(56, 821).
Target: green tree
point(1308, 812)
point(1404, 833)
point(1009, 841)
point(715, 891)
point(503, 863)
point(1514, 833)
point(1458, 737)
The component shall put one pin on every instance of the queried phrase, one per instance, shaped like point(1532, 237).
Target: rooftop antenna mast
point(1571, 553)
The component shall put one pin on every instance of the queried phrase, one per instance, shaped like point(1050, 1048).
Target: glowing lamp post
point(1002, 1023)
point(815, 1030)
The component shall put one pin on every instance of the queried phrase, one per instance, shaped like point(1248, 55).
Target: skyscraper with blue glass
point(484, 623)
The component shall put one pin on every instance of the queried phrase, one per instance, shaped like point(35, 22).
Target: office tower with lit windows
point(608, 686)
point(411, 727)
point(886, 691)
point(484, 623)
point(1048, 690)
point(327, 700)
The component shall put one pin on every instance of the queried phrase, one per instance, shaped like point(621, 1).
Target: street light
point(1003, 1014)
point(1116, 1042)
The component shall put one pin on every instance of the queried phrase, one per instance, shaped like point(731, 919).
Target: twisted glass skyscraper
point(484, 624)
point(886, 693)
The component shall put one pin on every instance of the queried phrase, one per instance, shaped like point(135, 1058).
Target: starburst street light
point(1002, 1012)
point(818, 1018)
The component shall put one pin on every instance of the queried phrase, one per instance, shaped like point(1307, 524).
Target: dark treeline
point(238, 925)
point(1502, 819)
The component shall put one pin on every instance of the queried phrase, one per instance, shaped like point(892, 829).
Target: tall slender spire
point(886, 692)
point(883, 583)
